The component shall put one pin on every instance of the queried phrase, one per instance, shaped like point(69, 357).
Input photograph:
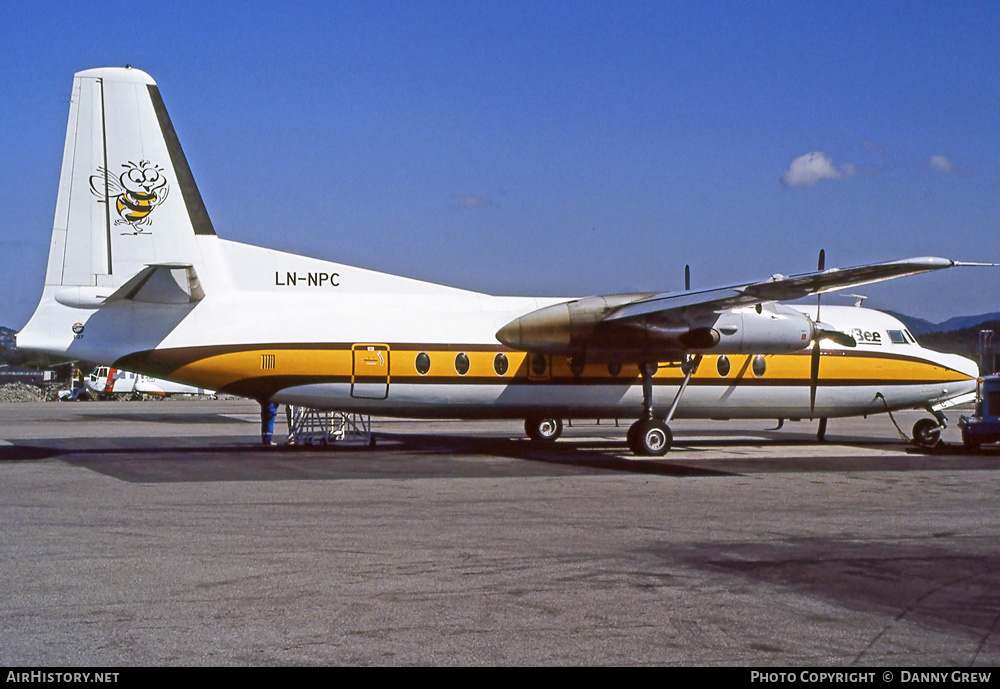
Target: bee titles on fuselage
point(873, 337)
point(312, 279)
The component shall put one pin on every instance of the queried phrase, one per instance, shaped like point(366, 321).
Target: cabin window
point(576, 365)
point(500, 364)
point(462, 363)
point(614, 368)
point(423, 363)
point(538, 364)
point(896, 336)
point(723, 366)
point(759, 365)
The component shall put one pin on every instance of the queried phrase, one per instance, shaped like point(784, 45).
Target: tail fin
point(127, 198)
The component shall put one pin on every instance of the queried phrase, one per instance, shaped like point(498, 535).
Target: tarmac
point(162, 533)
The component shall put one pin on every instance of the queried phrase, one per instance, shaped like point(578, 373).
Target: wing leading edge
point(776, 288)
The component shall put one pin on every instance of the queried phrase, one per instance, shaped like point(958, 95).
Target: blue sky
point(550, 148)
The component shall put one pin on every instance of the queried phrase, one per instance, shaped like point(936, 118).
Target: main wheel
point(630, 436)
point(544, 429)
point(926, 432)
point(650, 438)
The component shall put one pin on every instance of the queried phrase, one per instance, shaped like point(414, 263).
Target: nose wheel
point(927, 433)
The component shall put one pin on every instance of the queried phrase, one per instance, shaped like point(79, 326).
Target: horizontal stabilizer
point(169, 283)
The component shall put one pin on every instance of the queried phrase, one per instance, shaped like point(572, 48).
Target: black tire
point(630, 437)
point(926, 433)
point(650, 438)
point(545, 429)
point(970, 442)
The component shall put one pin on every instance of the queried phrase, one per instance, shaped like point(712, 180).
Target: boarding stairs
point(316, 427)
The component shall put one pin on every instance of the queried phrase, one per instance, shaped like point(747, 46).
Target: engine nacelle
point(774, 329)
point(566, 328)
point(579, 327)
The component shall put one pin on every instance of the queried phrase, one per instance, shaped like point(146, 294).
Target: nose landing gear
point(927, 433)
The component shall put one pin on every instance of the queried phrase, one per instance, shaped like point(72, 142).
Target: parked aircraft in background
point(137, 276)
point(107, 380)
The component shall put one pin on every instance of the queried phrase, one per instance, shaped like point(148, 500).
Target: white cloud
point(810, 168)
point(941, 164)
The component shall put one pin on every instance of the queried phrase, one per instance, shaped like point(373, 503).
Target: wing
point(678, 305)
point(651, 326)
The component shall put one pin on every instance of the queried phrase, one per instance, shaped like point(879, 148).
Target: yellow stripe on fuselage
point(223, 370)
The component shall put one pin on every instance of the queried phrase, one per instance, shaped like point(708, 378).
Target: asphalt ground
point(161, 533)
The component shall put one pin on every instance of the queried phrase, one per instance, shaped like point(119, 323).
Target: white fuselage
point(305, 343)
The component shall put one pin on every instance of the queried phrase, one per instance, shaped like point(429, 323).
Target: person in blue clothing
point(268, 412)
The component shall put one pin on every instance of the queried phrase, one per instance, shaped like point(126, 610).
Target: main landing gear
point(545, 429)
point(649, 436)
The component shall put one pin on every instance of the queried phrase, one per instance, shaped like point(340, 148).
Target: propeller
point(820, 267)
point(814, 359)
point(822, 331)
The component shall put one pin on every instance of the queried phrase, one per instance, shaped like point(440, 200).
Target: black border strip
point(197, 212)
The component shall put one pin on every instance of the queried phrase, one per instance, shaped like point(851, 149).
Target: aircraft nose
point(964, 365)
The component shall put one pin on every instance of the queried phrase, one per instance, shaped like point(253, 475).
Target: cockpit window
point(896, 337)
point(910, 337)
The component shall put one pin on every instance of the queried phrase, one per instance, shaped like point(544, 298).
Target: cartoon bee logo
point(137, 191)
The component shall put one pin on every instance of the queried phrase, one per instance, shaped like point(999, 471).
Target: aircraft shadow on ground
point(410, 455)
point(395, 455)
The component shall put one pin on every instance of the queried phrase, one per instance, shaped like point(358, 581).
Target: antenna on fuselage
point(687, 277)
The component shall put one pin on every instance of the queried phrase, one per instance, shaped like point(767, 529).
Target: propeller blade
point(813, 375)
point(824, 332)
point(820, 266)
